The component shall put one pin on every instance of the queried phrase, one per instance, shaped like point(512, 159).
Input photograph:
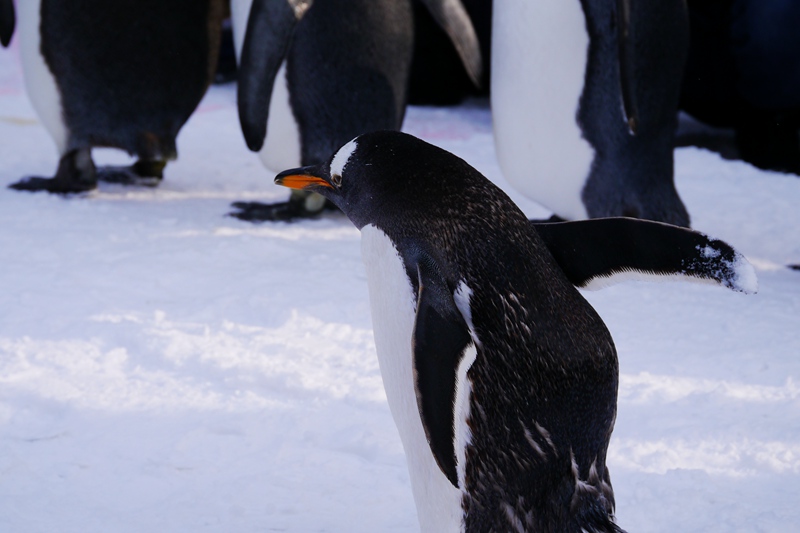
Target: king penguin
point(584, 102)
point(125, 74)
point(502, 380)
point(316, 73)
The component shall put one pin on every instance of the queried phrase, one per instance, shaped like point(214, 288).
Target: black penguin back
point(544, 388)
point(352, 78)
point(130, 72)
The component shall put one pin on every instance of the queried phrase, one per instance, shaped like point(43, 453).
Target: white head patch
point(342, 157)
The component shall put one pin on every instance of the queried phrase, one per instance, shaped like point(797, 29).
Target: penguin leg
point(145, 172)
point(301, 204)
point(76, 173)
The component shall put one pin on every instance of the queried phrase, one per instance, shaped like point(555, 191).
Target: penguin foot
point(76, 174)
point(794, 267)
point(52, 185)
point(300, 205)
point(141, 173)
point(277, 212)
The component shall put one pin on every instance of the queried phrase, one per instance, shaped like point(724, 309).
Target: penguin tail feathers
point(453, 18)
point(270, 28)
point(7, 21)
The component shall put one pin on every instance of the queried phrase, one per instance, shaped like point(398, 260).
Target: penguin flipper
point(600, 252)
point(454, 20)
point(652, 41)
point(625, 51)
point(441, 338)
point(270, 27)
point(7, 21)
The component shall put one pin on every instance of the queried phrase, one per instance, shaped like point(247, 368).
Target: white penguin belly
point(240, 11)
point(281, 148)
point(391, 297)
point(39, 81)
point(539, 55)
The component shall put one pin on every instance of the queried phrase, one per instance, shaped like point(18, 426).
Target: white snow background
point(166, 368)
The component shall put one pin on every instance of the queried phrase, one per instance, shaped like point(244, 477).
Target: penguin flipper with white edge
point(7, 21)
point(600, 252)
point(364, 88)
point(440, 341)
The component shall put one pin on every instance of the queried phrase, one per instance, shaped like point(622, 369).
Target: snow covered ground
point(166, 368)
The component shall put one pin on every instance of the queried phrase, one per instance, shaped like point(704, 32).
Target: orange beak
point(298, 178)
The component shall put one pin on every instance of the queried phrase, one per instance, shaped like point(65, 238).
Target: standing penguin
point(584, 102)
point(501, 379)
point(125, 74)
point(316, 73)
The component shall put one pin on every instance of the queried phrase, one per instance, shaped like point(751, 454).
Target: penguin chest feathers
point(392, 301)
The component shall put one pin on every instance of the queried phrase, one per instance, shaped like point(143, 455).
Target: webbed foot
point(76, 174)
point(142, 173)
point(300, 205)
point(52, 185)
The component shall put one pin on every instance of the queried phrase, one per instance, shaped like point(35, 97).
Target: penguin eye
point(336, 179)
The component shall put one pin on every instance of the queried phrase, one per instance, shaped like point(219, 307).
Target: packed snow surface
point(164, 367)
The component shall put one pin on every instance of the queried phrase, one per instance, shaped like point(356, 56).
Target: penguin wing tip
point(744, 279)
point(7, 22)
point(253, 131)
point(453, 18)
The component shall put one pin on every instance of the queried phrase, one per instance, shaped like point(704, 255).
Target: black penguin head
point(381, 173)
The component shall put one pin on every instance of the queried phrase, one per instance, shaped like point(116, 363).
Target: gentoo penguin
point(501, 379)
point(584, 102)
point(124, 74)
point(314, 74)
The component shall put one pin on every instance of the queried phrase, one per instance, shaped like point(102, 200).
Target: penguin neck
point(393, 306)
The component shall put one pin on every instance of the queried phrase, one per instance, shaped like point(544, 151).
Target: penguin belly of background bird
point(584, 101)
